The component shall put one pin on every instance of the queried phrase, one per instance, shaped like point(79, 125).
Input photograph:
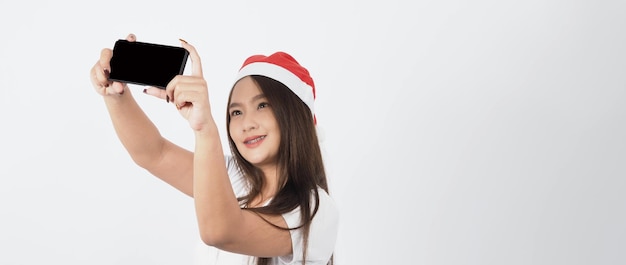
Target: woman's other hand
point(101, 70)
point(189, 93)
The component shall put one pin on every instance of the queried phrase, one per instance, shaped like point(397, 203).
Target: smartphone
point(146, 64)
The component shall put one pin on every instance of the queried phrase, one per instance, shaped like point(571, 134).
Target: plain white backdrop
point(454, 132)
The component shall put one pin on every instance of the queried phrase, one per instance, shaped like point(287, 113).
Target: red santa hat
point(283, 68)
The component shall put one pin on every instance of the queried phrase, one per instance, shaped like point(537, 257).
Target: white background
point(454, 132)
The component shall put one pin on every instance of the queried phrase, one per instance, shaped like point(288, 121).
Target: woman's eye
point(235, 113)
point(264, 105)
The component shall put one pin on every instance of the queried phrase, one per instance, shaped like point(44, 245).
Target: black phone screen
point(146, 63)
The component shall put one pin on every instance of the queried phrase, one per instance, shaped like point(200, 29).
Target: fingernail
point(183, 40)
point(167, 99)
point(107, 72)
point(145, 91)
point(122, 93)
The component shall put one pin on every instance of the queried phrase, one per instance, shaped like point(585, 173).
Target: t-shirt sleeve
point(236, 178)
point(322, 234)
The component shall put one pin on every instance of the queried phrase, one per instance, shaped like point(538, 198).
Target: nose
point(249, 122)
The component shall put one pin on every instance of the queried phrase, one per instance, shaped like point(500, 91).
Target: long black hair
point(300, 165)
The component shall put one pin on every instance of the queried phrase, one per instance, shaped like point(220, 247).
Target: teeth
point(255, 140)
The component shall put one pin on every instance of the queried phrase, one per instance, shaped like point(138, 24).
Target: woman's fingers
point(171, 86)
point(196, 69)
point(99, 74)
point(190, 97)
point(98, 78)
point(184, 85)
point(102, 69)
point(105, 60)
point(155, 91)
point(196, 75)
point(116, 88)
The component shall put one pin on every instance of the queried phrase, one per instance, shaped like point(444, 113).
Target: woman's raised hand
point(189, 93)
point(101, 70)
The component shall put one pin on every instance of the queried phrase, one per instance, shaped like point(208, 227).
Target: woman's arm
point(146, 146)
point(138, 134)
point(221, 221)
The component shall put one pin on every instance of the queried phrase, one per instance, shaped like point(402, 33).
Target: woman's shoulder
point(326, 217)
point(327, 203)
point(322, 233)
point(327, 214)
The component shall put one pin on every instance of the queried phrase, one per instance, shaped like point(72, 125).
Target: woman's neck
point(270, 188)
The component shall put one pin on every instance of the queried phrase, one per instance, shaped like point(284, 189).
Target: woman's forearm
point(217, 209)
point(137, 133)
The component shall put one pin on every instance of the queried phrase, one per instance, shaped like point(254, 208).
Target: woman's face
point(253, 127)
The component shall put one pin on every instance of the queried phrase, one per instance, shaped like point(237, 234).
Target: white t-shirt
point(322, 234)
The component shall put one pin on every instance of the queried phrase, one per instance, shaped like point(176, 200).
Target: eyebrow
point(255, 98)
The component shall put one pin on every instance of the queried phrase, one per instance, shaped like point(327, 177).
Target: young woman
point(269, 200)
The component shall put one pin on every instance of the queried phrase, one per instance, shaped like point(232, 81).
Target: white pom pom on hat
point(283, 68)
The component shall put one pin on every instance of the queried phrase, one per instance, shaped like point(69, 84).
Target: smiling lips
point(254, 141)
